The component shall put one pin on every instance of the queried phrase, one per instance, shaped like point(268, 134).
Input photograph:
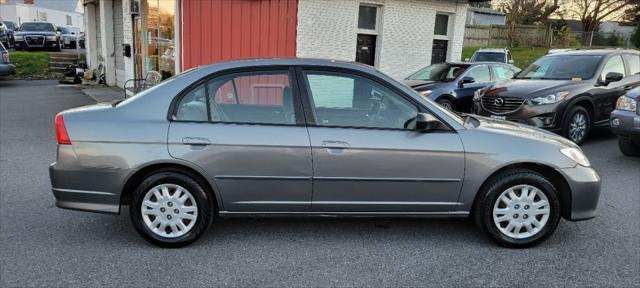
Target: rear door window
point(263, 97)
point(614, 64)
point(502, 73)
point(480, 74)
point(633, 61)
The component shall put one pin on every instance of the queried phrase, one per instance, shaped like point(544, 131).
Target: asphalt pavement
point(41, 245)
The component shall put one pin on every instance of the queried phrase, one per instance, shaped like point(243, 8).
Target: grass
point(521, 56)
point(30, 64)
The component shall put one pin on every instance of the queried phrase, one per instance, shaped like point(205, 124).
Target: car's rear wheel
point(170, 209)
point(518, 209)
point(446, 103)
point(628, 147)
point(577, 124)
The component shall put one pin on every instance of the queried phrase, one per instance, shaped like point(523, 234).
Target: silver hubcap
point(578, 127)
point(521, 211)
point(169, 210)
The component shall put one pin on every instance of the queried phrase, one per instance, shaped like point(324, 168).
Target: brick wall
point(328, 29)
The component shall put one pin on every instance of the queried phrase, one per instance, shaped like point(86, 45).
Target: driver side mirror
point(466, 80)
point(510, 61)
point(466, 59)
point(427, 122)
point(612, 77)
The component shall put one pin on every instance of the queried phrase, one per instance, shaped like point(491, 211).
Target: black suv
point(566, 92)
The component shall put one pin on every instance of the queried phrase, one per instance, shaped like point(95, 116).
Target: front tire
point(447, 104)
point(628, 147)
point(518, 209)
point(577, 124)
point(170, 209)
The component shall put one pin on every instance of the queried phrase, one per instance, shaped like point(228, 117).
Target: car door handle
point(196, 141)
point(329, 144)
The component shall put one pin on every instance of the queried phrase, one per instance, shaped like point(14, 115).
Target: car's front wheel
point(170, 209)
point(518, 209)
point(577, 124)
point(446, 103)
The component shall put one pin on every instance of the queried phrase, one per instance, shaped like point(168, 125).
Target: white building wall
point(20, 13)
point(128, 39)
point(328, 29)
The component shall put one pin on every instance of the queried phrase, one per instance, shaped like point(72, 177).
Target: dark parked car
point(6, 68)
point(452, 85)
point(566, 92)
point(311, 137)
point(625, 122)
point(37, 35)
point(11, 28)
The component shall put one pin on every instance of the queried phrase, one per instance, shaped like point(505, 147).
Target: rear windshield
point(439, 72)
point(562, 67)
point(488, 57)
point(48, 27)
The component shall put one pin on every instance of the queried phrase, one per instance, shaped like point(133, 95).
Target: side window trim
point(293, 81)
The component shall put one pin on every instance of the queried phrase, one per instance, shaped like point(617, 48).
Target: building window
point(367, 34)
point(69, 20)
point(442, 25)
point(367, 17)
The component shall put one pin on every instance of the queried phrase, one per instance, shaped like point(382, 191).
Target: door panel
point(256, 168)
point(439, 51)
point(366, 49)
point(385, 170)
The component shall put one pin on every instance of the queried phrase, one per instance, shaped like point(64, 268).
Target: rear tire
point(577, 124)
point(628, 147)
point(167, 218)
point(520, 222)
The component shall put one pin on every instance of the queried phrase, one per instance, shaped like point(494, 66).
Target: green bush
point(30, 64)
point(635, 39)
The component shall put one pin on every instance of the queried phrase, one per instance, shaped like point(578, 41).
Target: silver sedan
point(311, 137)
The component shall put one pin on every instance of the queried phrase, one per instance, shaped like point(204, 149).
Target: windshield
point(65, 30)
point(10, 25)
point(562, 67)
point(488, 57)
point(439, 72)
point(48, 27)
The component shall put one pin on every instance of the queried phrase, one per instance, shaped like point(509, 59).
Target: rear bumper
point(7, 69)
point(78, 187)
point(585, 186)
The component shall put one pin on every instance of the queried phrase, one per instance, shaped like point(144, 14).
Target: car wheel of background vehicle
point(577, 124)
point(446, 103)
point(628, 147)
point(518, 209)
point(170, 209)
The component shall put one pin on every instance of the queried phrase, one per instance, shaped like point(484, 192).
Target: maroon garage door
point(220, 30)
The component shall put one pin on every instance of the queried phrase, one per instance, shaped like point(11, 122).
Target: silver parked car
point(311, 137)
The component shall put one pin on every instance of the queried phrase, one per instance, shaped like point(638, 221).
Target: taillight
point(5, 57)
point(61, 131)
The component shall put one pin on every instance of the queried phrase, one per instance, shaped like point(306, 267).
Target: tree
point(632, 13)
point(592, 12)
point(528, 11)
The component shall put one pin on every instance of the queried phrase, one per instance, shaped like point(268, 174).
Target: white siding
point(118, 39)
point(328, 29)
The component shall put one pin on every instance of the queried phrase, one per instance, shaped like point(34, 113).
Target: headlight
point(549, 99)
point(426, 93)
point(626, 103)
point(576, 155)
point(51, 38)
point(18, 37)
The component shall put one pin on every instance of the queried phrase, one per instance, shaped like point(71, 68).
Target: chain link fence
point(540, 36)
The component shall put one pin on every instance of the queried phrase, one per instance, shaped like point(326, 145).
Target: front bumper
point(7, 69)
point(542, 116)
point(626, 124)
point(585, 186)
point(46, 44)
